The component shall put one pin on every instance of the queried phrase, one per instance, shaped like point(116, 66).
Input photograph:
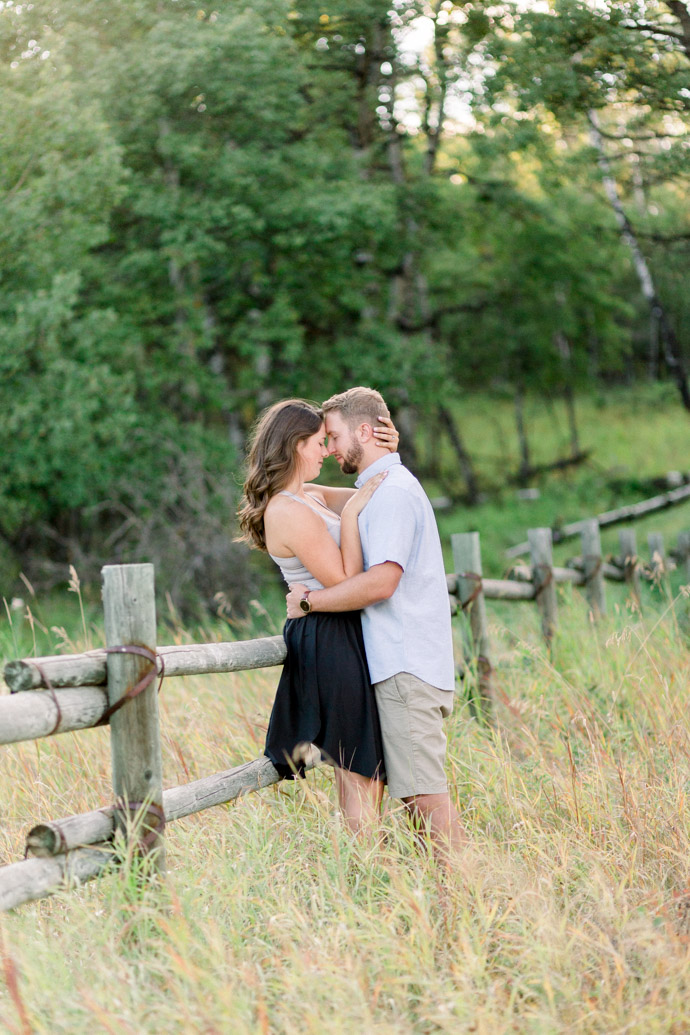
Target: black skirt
point(325, 698)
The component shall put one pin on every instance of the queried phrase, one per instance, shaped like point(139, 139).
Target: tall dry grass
point(572, 917)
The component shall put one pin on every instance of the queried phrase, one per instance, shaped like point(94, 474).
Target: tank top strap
point(325, 512)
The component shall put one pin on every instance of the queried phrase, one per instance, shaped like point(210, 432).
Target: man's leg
point(436, 815)
point(414, 746)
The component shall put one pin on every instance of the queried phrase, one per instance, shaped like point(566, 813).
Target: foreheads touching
point(279, 431)
point(350, 419)
point(357, 406)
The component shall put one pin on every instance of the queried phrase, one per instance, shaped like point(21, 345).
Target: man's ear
point(365, 433)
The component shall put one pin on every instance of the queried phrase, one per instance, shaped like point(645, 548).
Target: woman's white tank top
point(292, 568)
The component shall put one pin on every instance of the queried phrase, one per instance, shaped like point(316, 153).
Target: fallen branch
point(525, 474)
point(613, 517)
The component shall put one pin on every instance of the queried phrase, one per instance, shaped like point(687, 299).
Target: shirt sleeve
point(392, 521)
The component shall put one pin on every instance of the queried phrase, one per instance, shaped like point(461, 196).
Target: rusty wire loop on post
point(51, 690)
point(597, 562)
point(145, 680)
point(545, 580)
point(150, 838)
point(477, 579)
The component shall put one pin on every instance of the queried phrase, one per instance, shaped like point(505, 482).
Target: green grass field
point(632, 435)
point(572, 914)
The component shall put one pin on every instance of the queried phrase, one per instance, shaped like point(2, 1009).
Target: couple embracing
point(369, 673)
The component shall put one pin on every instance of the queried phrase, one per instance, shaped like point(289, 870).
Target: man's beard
point(350, 464)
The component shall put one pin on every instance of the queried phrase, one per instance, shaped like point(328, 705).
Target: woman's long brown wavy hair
point(272, 460)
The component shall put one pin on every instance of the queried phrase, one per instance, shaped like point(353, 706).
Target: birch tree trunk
point(667, 335)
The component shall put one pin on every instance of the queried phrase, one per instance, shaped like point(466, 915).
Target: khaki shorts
point(414, 744)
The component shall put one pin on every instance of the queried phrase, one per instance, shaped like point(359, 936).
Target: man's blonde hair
point(357, 406)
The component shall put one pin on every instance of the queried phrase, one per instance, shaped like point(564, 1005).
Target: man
point(405, 619)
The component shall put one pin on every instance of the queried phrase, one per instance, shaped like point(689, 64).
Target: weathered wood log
point(86, 669)
point(192, 659)
point(37, 878)
point(506, 589)
point(32, 716)
point(544, 585)
point(63, 835)
point(612, 517)
point(501, 589)
point(129, 612)
point(467, 561)
point(221, 787)
point(593, 568)
point(610, 572)
point(524, 574)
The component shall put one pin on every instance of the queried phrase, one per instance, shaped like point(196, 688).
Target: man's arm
point(370, 587)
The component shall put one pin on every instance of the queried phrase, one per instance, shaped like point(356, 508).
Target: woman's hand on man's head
point(387, 435)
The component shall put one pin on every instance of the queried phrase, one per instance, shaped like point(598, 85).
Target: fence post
point(467, 563)
point(593, 568)
point(541, 552)
point(627, 543)
point(657, 555)
point(684, 553)
point(130, 619)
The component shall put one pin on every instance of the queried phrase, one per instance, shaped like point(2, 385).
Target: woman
point(324, 696)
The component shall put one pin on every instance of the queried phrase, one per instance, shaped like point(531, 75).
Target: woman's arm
point(335, 498)
point(293, 529)
point(350, 541)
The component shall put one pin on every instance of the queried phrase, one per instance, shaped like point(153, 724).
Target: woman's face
point(311, 453)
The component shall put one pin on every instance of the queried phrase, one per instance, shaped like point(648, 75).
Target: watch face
point(305, 605)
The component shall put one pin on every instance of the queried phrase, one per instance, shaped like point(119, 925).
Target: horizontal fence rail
point(33, 716)
point(194, 659)
point(76, 849)
point(631, 512)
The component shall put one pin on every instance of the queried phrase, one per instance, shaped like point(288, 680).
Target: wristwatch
point(305, 603)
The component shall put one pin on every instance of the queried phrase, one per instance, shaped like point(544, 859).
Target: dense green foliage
point(207, 209)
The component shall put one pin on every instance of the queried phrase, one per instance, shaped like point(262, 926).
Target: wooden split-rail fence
point(117, 686)
point(537, 582)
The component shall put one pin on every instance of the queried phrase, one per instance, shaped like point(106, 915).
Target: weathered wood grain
point(37, 878)
point(192, 659)
point(32, 716)
point(57, 836)
point(129, 612)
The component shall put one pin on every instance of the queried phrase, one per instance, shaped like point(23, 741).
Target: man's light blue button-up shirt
point(410, 632)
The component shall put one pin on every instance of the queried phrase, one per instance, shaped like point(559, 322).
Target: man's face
point(342, 443)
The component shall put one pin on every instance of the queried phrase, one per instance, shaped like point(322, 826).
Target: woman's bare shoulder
point(286, 509)
point(316, 492)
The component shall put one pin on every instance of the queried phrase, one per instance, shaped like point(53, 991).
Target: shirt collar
point(382, 464)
